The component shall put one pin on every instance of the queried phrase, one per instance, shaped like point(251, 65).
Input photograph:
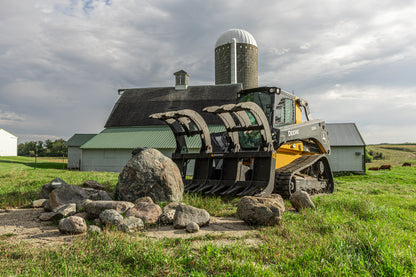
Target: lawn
point(365, 228)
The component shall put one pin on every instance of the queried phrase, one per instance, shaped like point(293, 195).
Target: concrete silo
point(236, 59)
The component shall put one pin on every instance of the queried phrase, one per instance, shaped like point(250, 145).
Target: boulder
point(131, 224)
point(144, 199)
point(300, 200)
point(150, 173)
point(72, 225)
point(59, 212)
point(74, 194)
point(266, 210)
point(148, 212)
point(47, 188)
point(192, 227)
point(111, 218)
point(93, 185)
point(49, 216)
point(95, 208)
point(186, 214)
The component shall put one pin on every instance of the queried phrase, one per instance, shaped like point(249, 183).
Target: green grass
point(366, 228)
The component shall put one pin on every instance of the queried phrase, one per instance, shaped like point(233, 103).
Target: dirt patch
point(23, 225)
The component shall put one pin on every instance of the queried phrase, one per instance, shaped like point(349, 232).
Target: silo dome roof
point(241, 36)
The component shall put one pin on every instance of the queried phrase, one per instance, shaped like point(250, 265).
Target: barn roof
point(344, 134)
point(160, 137)
point(135, 105)
point(79, 139)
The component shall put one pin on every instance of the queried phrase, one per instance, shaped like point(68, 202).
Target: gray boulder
point(148, 212)
point(111, 218)
point(150, 173)
point(95, 208)
point(59, 212)
point(192, 227)
point(267, 210)
point(144, 199)
point(186, 214)
point(47, 188)
point(131, 224)
point(300, 200)
point(72, 225)
point(94, 229)
point(74, 194)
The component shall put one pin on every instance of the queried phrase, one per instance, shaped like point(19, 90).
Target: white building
point(8, 143)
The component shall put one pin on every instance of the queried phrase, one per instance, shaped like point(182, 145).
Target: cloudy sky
point(62, 61)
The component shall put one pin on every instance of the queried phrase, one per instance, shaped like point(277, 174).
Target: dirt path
point(18, 225)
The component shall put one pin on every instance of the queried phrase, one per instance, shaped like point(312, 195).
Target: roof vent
point(181, 80)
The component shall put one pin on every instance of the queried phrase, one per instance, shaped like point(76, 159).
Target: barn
point(8, 143)
point(129, 126)
point(347, 148)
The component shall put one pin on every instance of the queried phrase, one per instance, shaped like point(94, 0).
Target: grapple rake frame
point(224, 172)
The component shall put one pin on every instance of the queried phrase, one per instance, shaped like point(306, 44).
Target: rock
point(99, 195)
point(111, 218)
point(66, 209)
point(73, 194)
point(83, 215)
point(131, 224)
point(300, 200)
point(146, 211)
point(95, 208)
point(58, 213)
point(49, 216)
point(72, 225)
point(94, 229)
point(144, 199)
point(186, 214)
point(150, 173)
point(93, 184)
point(168, 214)
point(47, 188)
point(39, 203)
point(267, 210)
point(192, 227)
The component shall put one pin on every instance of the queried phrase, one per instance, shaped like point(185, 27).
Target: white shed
point(8, 143)
point(347, 148)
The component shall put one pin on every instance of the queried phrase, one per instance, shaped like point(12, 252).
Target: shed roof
point(135, 105)
point(79, 139)
point(160, 137)
point(344, 134)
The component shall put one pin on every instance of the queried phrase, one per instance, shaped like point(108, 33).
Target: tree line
point(40, 148)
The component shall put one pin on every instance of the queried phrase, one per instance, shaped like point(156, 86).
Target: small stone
point(72, 225)
point(111, 217)
point(192, 227)
point(66, 209)
point(48, 216)
point(39, 203)
point(300, 200)
point(148, 212)
point(131, 224)
point(186, 214)
point(146, 199)
point(94, 229)
point(93, 184)
point(95, 208)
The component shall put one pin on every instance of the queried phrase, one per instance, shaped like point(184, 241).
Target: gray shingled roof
point(135, 105)
point(344, 134)
point(79, 139)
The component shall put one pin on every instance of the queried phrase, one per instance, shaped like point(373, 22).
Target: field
point(366, 228)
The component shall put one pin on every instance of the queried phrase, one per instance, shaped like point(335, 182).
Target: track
point(302, 174)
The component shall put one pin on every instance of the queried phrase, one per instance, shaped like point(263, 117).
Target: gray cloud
point(63, 61)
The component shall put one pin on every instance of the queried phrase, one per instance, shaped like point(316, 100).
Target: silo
point(236, 59)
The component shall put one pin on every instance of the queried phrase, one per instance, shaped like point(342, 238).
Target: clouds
point(61, 62)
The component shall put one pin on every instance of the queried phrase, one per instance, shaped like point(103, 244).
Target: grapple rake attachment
point(234, 171)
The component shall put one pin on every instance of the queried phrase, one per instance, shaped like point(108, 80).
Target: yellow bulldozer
point(266, 146)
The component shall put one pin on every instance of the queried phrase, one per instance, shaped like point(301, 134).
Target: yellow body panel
point(298, 112)
point(289, 152)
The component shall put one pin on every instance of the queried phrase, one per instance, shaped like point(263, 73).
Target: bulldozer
point(270, 145)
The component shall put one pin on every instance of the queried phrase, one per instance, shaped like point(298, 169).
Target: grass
point(366, 228)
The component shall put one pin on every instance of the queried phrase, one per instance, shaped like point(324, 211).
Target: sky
point(62, 61)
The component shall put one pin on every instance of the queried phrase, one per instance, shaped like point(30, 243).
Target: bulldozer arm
point(232, 170)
